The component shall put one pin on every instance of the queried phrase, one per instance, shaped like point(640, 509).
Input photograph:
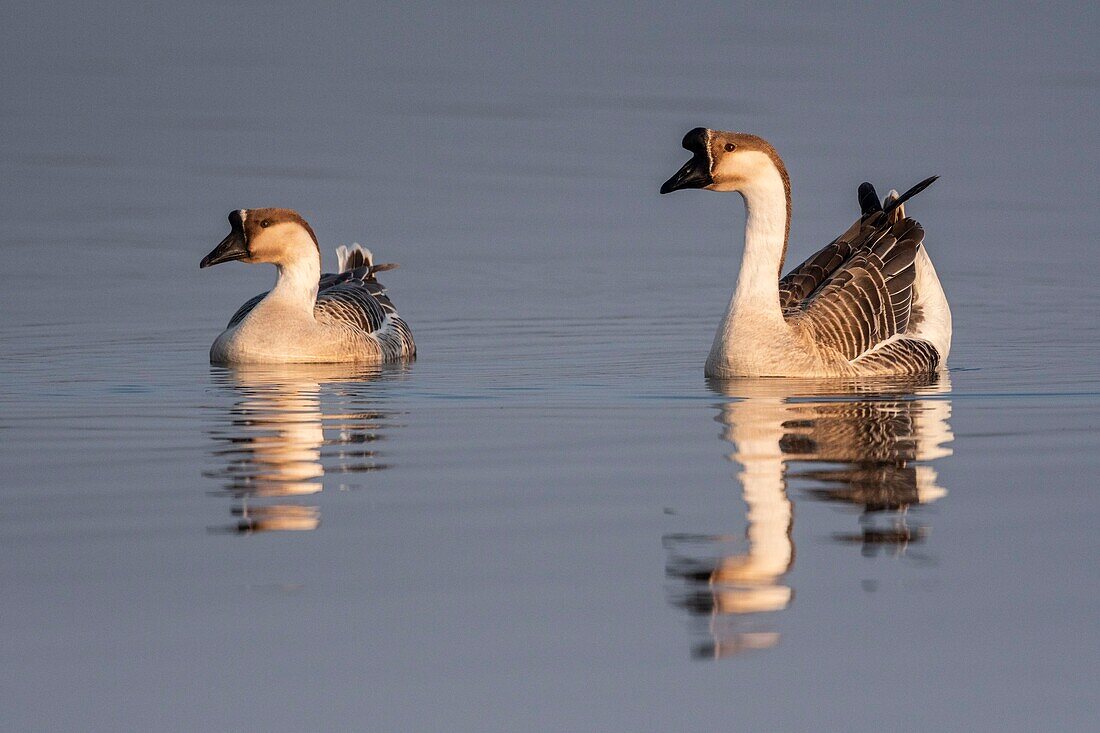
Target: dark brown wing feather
point(803, 280)
point(857, 303)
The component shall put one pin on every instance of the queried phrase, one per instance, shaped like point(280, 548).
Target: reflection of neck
point(756, 434)
point(289, 461)
point(296, 285)
point(750, 583)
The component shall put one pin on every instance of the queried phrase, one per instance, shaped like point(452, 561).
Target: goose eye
point(730, 147)
point(265, 223)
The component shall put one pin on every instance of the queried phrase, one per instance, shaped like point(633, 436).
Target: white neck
point(754, 319)
point(296, 285)
point(765, 241)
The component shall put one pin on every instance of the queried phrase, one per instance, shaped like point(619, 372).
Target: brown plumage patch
point(254, 220)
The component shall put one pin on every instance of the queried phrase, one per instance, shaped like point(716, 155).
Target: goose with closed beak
point(868, 304)
point(307, 317)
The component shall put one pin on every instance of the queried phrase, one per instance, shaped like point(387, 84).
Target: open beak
point(696, 172)
point(233, 247)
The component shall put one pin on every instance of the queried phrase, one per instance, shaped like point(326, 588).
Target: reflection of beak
point(233, 247)
point(696, 172)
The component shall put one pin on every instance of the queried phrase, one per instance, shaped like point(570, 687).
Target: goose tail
point(868, 200)
point(897, 212)
point(353, 258)
point(899, 200)
point(893, 205)
point(358, 256)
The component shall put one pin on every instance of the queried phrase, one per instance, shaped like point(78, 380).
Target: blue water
point(550, 520)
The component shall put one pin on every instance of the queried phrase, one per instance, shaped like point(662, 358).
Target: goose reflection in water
point(272, 448)
point(862, 445)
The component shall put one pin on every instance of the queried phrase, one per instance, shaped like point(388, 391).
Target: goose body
point(867, 304)
point(307, 317)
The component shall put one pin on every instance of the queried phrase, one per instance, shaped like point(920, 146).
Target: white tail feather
point(899, 213)
point(356, 256)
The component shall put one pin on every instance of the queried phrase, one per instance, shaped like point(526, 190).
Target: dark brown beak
point(233, 247)
point(696, 172)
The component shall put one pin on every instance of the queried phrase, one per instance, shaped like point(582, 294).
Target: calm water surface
point(550, 520)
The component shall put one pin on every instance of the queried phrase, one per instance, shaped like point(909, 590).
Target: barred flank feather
point(903, 356)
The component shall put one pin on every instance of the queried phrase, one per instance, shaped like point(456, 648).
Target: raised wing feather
point(866, 298)
point(802, 281)
point(805, 279)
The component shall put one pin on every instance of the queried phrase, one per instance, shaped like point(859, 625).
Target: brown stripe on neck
point(746, 141)
point(787, 193)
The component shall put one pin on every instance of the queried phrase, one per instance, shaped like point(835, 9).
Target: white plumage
point(307, 317)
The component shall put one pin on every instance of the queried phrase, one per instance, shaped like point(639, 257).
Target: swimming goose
point(867, 304)
point(307, 317)
point(867, 444)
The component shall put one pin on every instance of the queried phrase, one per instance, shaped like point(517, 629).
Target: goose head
point(277, 236)
point(725, 161)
